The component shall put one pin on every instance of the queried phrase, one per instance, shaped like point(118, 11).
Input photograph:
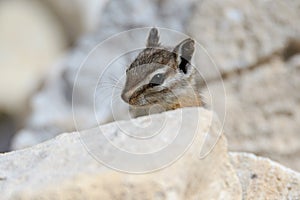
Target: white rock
point(74, 165)
point(64, 167)
point(262, 178)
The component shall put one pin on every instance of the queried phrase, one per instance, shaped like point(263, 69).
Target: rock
point(262, 110)
point(90, 164)
point(262, 178)
point(127, 14)
point(31, 40)
point(260, 72)
point(76, 165)
point(239, 35)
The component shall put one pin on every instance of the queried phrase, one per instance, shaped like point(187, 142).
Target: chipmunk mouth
point(163, 96)
point(139, 102)
point(146, 96)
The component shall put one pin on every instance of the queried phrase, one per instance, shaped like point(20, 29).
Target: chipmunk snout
point(125, 96)
point(129, 98)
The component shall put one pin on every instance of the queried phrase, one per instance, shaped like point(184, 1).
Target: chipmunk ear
point(184, 52)
point(153, 38)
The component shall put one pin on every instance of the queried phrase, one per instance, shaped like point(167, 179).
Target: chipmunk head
point(161, 75)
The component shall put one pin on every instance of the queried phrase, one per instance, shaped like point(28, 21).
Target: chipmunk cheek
point(132, 101)
point(136, 99)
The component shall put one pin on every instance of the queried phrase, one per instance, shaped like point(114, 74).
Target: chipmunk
point(162, 76)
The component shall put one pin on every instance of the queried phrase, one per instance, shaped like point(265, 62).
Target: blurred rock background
point(254, 43)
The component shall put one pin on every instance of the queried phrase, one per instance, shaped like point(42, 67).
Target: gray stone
point(240, 34)
point(262, 111)
point(262, 178)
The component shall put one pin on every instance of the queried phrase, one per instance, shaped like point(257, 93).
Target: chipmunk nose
point(125, 96)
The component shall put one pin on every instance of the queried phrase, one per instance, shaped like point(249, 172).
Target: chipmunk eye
point(157, 79)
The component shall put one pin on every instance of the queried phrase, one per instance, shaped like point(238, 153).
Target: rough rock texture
point(262, 178)
point(241, 34)
point(257, 53)
point(31, 39)
point(263, 111)
point(121, 15)
point(64, 168)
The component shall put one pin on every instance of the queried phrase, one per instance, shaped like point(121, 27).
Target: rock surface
point(265, 103)
point(64, 167)
point(262, 178)
point(68, 167)
point(257, 53)
point(241, 34)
